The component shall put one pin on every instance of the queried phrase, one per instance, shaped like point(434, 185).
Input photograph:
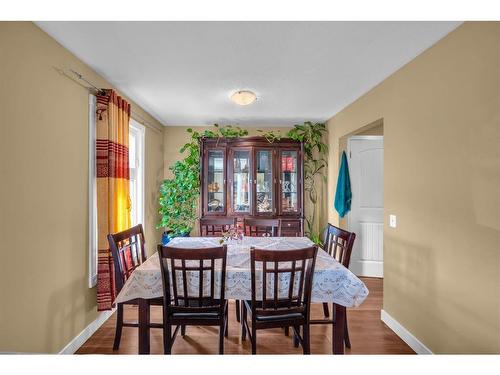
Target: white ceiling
point(183, 73)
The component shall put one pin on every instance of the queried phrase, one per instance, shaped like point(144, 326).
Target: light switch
point(392, 221)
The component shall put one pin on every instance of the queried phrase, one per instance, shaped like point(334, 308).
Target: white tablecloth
point(332, 282)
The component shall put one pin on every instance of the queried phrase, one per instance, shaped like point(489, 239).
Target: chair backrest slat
point(284, 262)
point(276, 282)
point(128, 252)
point(291, 284)
point(264, 285)
point(215, 226)
point(201, 262)
point(302, 270)
point(338, 243)
point(173, 275)
point(184, 282)
point(200, 287)
point(262, 227)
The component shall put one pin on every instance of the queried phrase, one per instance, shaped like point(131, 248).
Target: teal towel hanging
point(343, 194)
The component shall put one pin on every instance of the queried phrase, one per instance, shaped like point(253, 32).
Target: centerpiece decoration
point(233, 234)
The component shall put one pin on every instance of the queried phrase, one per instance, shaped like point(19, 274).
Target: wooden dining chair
point(259, 227)
point(338, 244)
point(128, 252)
point(291, 228)
point(262, 227)
point(294, 270)
point(186, 302)
point(215, 226)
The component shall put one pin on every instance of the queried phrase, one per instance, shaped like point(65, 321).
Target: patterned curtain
point(113, 200)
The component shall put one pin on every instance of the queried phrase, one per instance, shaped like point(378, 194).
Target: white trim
point(404, 334)
point(92, 194)
point(368, 137)
point(83, 336)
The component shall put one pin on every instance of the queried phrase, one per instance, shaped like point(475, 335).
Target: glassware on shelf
point(289, 195)
point(264, 181)
point(215, 181)
point(241, 181)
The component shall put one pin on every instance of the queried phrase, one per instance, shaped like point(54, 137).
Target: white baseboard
point(83, 336)
point(404, 334)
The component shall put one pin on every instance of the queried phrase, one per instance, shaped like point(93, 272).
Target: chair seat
point(275, 317)
point(211, 315)
point(196, 315)
point(152, 301)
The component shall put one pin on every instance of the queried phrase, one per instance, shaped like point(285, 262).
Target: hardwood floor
point(368, 334)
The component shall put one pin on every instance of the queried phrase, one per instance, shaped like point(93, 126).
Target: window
point(136, 165)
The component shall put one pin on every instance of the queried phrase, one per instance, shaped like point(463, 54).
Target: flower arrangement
point(233, 233)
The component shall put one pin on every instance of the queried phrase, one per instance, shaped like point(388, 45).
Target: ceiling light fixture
point(243, 97)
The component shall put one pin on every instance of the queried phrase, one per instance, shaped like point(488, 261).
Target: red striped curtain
point(113, 200)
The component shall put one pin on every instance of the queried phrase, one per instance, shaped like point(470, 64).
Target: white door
point(366, 218)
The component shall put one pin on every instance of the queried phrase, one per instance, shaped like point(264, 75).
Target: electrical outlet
point(392, 221)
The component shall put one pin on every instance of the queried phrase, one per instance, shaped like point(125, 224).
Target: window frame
point(139, 132)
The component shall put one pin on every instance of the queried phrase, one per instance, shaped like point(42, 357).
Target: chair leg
point(238, 318)
point(119, 326)
point(346, 334)
point(325, 310)
point(287, 331)
point(296, 340)
point(183, 330)
point(167, 338)
point(254, 340)
point(222, 328)
point(226, 322)
point(243, 321)
point(306, 339)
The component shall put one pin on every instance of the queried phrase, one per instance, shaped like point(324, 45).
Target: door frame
point(349, 140)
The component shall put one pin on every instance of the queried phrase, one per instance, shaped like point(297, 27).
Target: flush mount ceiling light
point(243, 97)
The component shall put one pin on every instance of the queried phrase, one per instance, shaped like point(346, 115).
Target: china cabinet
point(251, 177)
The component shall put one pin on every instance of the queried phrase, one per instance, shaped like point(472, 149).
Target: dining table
point(332, 282)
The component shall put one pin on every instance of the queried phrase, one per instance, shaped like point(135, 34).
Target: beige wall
point(176, 136)
point(45, 299)
point(441, 116)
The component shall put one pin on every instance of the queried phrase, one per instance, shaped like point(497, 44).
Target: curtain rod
point(136, 116)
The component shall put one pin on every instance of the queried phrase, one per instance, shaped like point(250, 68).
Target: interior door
point(366, 218)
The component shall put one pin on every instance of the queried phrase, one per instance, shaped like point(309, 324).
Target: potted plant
point(179, 194)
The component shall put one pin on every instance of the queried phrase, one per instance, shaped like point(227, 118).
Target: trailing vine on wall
point(315, 162)
point(179, 195)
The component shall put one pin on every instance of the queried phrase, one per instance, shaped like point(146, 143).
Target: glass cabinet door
point(241, 181)
point(216, 195)
point(288, 182)
point(264, 182)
